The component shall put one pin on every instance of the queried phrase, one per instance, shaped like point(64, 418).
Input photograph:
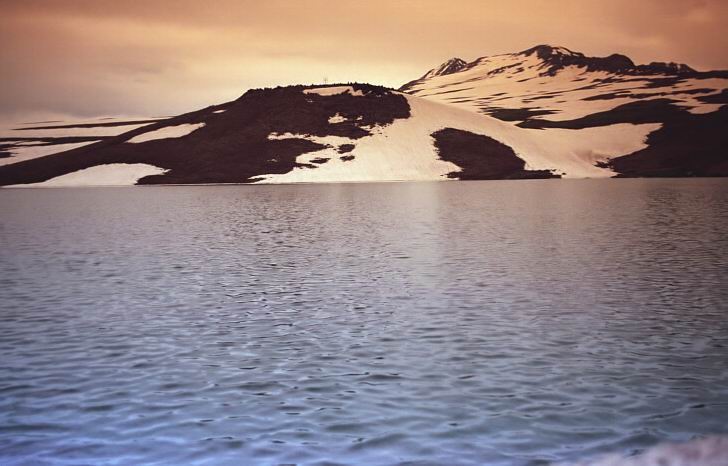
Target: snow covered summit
point(452, 65)
point(549, 87)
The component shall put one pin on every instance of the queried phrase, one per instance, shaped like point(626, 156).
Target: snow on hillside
point(338, 118)
point(113, 174)
point(26, 141)
point(598, 99)
point(574, 153)
point(72, 128)
point(518, 81)
point(176, 131)
point(359, 133)
point(405, 149)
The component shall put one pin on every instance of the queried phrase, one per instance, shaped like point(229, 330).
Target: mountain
point(329, 133)
point(291, 134)
point(547, 88)
point(546, 112)
point(453, 65)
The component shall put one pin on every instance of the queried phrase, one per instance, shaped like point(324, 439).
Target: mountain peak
point(556, 58)
point(452, 65)
point(545, 51)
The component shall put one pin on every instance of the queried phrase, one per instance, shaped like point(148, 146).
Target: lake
point(497, 322)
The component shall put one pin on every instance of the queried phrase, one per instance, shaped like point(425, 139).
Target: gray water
point(503, 323)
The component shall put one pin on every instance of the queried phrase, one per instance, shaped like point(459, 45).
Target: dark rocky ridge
point(9, 143)
point(647, 111)
point(615, 63)
point(686, 145)
point(92, 125)
point(453, 65)
point(556, 60)
point(450, 66)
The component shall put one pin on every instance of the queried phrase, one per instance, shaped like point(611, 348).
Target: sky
point(88, 58)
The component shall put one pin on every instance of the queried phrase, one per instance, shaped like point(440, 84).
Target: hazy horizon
point(85, 59)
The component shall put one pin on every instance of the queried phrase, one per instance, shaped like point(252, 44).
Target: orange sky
point(156, 57)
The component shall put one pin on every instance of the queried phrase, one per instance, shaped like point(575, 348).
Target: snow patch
point(405, 150)
point(704, 108)
point(176, 131)
point(220, 111)
point(113, 174)
point(401, 151)
point(570, 153)
point(325, 140)
point(513, 81)
point(337, 119)
point(336, 90)
point(574, 153)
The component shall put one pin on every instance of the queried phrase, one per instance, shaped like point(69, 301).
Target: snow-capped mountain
point(451, 66)
point(316, 134)
point(290, 134)
point(549, 88)
point(546, 112)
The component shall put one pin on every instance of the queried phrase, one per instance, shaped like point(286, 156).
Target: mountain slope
point(328, 134)
point(548, 87)
point(291, 134)
point(542, 113)
point(562, 85)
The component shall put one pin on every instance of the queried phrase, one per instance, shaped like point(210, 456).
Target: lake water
point(498, 322)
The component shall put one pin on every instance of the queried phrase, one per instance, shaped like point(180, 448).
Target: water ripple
point(500, 323)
